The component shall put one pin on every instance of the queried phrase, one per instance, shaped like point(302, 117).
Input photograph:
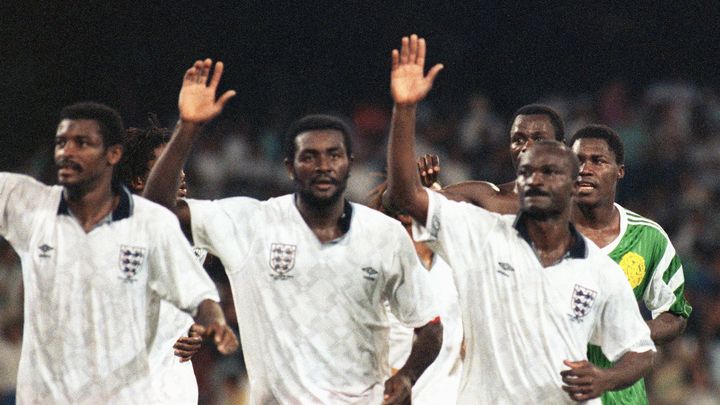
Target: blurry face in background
point(526, 130)
point(139, 183)
point(321, 167)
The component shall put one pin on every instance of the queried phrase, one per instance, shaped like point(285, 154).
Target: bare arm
point(666, 327)
point(427, 344)
point(197, 105)
point(585, 381)
point(408, 86)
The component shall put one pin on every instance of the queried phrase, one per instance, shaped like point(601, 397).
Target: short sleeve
point(408, 287)
point(223, 227)
point(20, 196)
point(621, 328)
point(175, 273)
point(452, 225)
point(666, 290)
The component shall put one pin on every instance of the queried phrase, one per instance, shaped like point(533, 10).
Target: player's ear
point(289, 168)
point(621, 171)
point(114, 154)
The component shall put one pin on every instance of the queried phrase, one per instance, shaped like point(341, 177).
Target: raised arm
point(197, 105)
point(408, 86)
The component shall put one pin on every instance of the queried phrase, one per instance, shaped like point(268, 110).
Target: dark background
point(300, 57)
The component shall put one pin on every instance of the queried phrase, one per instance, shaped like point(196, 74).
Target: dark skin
point(503, 199)
point(545, 187)
point(320, 167)
point(595, 215)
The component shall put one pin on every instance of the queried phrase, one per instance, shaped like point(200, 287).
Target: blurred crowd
point(671, 132)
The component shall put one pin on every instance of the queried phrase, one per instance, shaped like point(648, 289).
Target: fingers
point(395, 59)
point(579, 393)
point(421, 52)
point(204, 71)
point(217, 74)
point(434, 72)
point(196, 330)
point(226, 97)
point(186, 347)
point(228, 342)
point(404, 50)
point(412, 57)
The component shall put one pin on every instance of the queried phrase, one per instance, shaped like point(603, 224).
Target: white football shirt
point(311, 315)
point(522, 320)
point(92, 299)
point(440, 381)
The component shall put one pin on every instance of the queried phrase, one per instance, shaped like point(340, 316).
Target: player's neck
point(90, 206)
point(598, 216)
point(550, 238)
point(323, 220)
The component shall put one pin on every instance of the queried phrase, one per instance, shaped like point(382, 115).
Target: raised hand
point(197, 102)
point(429, 169)
point(408, 83)
point(584, 380)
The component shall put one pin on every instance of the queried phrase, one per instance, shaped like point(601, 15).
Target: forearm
point(164, 178)
point(427, 345)
point(666, 327)
point(404, 188)
point(631, 367)
point(209, 312)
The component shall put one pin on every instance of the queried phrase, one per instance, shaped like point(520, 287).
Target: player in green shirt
point(639, 245)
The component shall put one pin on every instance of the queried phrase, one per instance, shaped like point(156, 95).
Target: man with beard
point(639, 245)
point(96, 262)
point(176, 382)
point(309, 271)
point(532, 289)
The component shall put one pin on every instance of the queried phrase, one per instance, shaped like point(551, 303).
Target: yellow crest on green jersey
point(634, 267)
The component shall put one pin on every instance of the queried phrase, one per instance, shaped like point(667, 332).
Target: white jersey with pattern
point(522, 320)
point(440, 381)
point(92, 299)
point(311, 315)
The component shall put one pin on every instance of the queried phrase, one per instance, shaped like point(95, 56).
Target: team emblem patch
point(634, 267)
point(282, 260)
point(582, 301)
point(131, 260)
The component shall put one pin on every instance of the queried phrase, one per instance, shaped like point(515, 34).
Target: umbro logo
point(370, 273)
point(505, 269)
point(45, 250)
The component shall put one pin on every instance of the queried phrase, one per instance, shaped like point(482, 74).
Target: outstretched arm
point(408, 86)
point(197, 105)
point(427, 345)
point(585, 381)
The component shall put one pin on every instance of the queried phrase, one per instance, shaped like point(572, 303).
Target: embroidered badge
point(45, 250)
point(131, 260)
point(370, 273)
point(582, 301)
point(282, 260)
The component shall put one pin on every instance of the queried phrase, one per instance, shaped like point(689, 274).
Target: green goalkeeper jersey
point(649, 261)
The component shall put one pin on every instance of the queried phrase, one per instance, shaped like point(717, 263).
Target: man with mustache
point(176, 382)
point(639, 245)
point(96, 263)
point(310, 271)
point(533, 290)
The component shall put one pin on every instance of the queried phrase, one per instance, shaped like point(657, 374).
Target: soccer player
point(96, 262)
point(309, 271)
point(439, 383)
point(530, 123)
point(533, 290)
point(640, 246)
point(176, 379)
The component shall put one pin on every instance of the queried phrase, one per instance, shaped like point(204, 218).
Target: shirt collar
point(578, 250)
point(123, 210)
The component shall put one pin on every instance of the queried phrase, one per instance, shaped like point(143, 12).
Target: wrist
point(405, 106)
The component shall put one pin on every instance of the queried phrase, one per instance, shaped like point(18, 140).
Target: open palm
point(408, 84)
point(197, 102)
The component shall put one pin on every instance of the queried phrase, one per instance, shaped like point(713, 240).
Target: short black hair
point(109, 121)
point(563, 150)
point(612, 138)
point(542, 109)
point(316, 122)
point(139, 149)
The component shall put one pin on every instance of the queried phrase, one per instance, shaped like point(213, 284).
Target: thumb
point(434, 72)
point(226, 97)
point(572, 364)
point(196, 330)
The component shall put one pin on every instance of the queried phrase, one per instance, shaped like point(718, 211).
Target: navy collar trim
point(123, 210)
point(578, 250)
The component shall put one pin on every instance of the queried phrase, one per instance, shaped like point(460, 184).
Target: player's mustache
point(534, 192)
point(67, 163)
